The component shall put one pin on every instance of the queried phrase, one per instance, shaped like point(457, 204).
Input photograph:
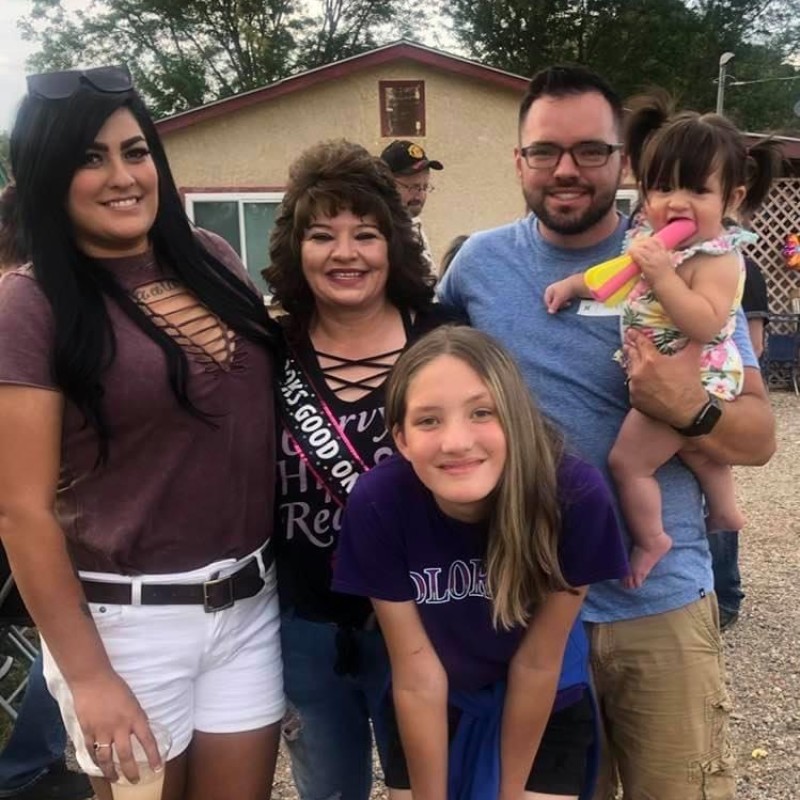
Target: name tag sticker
point(592, 308)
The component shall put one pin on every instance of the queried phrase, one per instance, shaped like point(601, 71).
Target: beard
point(569, 223)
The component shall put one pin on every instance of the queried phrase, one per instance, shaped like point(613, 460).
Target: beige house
point(231, 157)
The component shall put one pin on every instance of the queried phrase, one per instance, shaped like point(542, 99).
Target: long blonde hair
point(522, 563)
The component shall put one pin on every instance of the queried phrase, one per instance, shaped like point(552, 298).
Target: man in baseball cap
point(411, 168)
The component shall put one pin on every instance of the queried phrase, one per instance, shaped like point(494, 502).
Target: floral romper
point(721, 367)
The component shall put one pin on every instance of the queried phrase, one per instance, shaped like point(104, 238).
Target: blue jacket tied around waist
point(474, 761)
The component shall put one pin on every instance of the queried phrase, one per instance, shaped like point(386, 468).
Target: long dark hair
point(328, 178)
point(11, 253)
point(48, 144)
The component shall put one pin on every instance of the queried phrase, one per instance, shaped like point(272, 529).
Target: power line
point(763, 80)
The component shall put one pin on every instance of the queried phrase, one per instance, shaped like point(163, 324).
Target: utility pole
point(724, 59)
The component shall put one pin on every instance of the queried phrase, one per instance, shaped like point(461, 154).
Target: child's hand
point(558, 295)
point(653, 259)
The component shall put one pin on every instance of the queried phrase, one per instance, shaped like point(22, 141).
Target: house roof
point(789, 144)
point(396, 51)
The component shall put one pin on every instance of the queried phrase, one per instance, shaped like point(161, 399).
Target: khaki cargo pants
point(660, 683)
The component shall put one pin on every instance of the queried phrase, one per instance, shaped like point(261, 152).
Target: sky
point(13, 52)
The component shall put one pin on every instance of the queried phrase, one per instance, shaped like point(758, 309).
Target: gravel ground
point(762, 648)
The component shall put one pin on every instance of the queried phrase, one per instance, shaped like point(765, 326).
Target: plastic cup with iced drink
point(151, 782)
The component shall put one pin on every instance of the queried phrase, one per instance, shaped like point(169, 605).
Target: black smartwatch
point(706, 418)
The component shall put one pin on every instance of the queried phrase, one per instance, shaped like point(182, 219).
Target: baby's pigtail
point(764, 164)
point(647, 113)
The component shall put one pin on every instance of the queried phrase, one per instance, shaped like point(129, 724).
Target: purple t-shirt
point(397, 545)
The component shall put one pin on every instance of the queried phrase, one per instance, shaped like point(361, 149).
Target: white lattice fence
point(779, 216)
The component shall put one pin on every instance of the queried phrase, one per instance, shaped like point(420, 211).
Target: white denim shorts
point(217, 672)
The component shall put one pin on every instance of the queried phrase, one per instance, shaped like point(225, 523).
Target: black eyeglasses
point(61, 85)
point(547, 155)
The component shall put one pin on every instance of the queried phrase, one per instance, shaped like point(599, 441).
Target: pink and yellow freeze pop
point(611, 281)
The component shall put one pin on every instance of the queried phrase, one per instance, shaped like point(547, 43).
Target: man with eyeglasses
point(656, 651)
point(411, 169)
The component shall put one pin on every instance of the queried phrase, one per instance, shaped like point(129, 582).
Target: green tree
point(524, 35)
point(184, 53)
point(4, 160)
point(640, 43)
point(765, 37)
point(345, 28)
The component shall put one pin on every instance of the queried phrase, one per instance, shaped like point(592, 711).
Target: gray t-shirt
point(176, 493)
point(498, 279)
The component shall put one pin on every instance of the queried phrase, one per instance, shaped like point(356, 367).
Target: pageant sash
point(316, 434)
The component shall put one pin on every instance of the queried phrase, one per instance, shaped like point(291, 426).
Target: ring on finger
point(100, 745)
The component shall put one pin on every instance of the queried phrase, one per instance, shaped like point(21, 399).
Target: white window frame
point(226, 197)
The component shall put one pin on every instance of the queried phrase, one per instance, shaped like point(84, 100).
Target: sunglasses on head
point(61, 85)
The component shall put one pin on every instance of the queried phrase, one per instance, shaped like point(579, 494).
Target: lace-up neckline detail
point(353, 378)
point(202, 335)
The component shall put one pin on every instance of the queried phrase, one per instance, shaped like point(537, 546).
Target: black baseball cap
point(407, 158)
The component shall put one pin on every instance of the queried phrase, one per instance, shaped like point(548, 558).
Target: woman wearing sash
point(349, 272)
point(136, 472)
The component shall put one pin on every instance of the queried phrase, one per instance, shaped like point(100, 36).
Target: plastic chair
point(782, 351)
point(14, 619)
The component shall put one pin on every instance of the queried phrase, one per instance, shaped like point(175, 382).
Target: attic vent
point(402, 108)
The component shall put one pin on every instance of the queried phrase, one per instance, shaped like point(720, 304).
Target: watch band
point(708, 416)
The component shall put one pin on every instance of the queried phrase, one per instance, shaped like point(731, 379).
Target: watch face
point(709, 418)
point(705, 420)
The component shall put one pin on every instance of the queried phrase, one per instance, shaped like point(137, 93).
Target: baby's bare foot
point(644, 558)
point(725, 520)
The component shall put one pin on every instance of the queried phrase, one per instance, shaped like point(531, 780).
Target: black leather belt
point(215, 594)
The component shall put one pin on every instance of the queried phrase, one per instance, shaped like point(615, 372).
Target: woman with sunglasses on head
point(138, 455)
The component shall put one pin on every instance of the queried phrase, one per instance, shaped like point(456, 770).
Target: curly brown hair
point(329, 178)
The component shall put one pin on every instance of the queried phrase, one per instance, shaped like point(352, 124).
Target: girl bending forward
point(476, 546)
